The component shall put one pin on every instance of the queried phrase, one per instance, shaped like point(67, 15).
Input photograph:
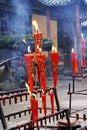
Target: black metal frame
point(14, 94)
point(30, 125)
point(80, 92)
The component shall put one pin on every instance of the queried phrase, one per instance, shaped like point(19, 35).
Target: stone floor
point(78, 104)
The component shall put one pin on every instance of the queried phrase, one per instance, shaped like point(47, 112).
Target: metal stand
point(56, 98)
point(2, 117)
point(70, 98)
point(44, 122)
point(80, 92)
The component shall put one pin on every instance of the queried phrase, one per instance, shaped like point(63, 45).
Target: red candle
point(44, 103)
point(34, 108)
point(38, 36)
point(52, 101)
point(83, 52)
point(74, 62)
point(29, 58)
point(42, 69)
point(38, 44)
point(54, 59)
point(38, 41)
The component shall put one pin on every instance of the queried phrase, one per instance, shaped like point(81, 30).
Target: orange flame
point(54, 49)
point(73, 50)
point(27, 86)
point(35, 24)
point(24, 41)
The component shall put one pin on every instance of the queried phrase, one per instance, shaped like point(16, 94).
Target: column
point(48, 23)
point(78, 31)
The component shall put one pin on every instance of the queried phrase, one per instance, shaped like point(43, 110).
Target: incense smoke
point(21, 20)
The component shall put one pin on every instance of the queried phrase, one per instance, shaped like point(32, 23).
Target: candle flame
point(51, 91)
point(73, 50)
point(34, 95)
point(82, 35)
point(24, 41)
point(28, 49)
point(27, 86)
point(54, 49)
point(42, 91)
point(35, 24)
point(40, 50)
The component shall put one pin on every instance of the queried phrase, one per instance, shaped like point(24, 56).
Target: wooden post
point(48, 23)
point(78, 31)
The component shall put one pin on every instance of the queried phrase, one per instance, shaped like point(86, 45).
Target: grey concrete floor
point(78, 101)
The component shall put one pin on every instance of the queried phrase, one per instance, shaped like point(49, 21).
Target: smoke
point(20, 20)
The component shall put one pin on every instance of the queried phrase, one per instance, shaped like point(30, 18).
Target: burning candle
point(52, 100)
point(29, 58)
point(83, 52)
point(38, 44)
point(38, 41)
point(74, 62)
point(24, 40)
point(28, 88)
point(34, 104)
point(42, 70)
point(54, 58)
point(37, 37)
point(34, 107)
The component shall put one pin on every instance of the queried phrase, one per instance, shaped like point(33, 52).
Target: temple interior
point(43, 64)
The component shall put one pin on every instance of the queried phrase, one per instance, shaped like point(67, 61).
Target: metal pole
point(2, 117)
point(70, 98)
point(73, 84)
point(68, 120)
point(56, 98)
